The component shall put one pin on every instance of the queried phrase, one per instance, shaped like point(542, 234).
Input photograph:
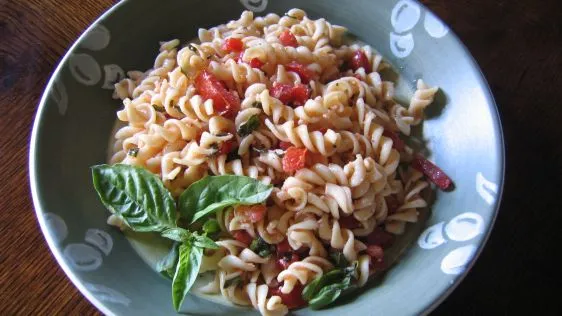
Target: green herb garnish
point(133, 152)
point(232, 282)
point(262, 248)
point(249, 126)
point(159, 108)
point(141, 200)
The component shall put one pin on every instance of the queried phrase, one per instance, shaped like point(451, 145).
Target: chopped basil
point(251, 125)
point(338, 259)
point(259, 149)
point(232, 282)
point(159, 108)
point(133, 152)
point(290, 16)
point(326, 289)
point(262, 248)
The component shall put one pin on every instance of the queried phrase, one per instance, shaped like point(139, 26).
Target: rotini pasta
point(288, 101)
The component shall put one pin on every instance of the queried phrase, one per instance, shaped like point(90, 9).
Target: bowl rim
point(37, 203)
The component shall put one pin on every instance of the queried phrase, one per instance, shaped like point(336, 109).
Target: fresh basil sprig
point(214, 193)
point(140, 199)
point(136, 196)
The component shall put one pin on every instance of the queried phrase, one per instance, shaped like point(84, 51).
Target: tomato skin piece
point(397, 142)
point(349, 222)
point(300, 94)
point(294, 159)
point(304, 73)
point(430, 170)
point(283, 247)
point(251, 213)
point(288, 39)
point(256, 63)
point(242, 236)
point(284, 145)
point(233, 44)
point(225, 103)
point(282, 91)
point(226, 147)
point(375, 252)
point(380, 238)
point(358, 60)
point(293, 299)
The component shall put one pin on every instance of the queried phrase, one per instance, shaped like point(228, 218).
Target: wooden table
point(518, 44)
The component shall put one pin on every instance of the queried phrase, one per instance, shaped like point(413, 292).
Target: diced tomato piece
point(225, 103)
point(291, 300)
point(304, 73)
point(284, 247)
point(288, 39)
point(300, 94)
point(284, 261)
point(349, 222)
point(397, 142)
point(391, 204)
point(294, 159)
point(284, 145)
point(256, 63)
point(242, 236)
point(375, 252)
point(434, 173)
point(378, 265)
point(356, 76)
point(282, 91)
point(232, 44)
point(381, 238)
point(226, 147)
point(251, 213)
point(358, 60)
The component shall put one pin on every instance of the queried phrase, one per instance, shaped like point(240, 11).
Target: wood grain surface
point(518, 44)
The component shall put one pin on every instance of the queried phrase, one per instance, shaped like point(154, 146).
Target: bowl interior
point(76, 115)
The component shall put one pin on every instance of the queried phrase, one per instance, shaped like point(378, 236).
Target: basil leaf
point(186, 272)
point(135, 195)
point(338, 259)
point(133, 152)
point(234, 281)
point(214, 193)
point(167, 265)
point(249, 126)
point(327, 295)
point(204, 242)
point(158, 108)
point(211, 226)
point(261, 247)
point(177, 234)
point(314, 287)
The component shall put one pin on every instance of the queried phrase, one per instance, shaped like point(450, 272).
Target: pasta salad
point(271, 152)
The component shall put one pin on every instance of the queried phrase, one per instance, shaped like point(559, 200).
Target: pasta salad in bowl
point(275, 161)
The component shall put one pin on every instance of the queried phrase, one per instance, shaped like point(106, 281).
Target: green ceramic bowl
point(76, 114)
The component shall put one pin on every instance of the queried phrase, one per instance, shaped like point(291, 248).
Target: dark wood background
point(518, 44)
